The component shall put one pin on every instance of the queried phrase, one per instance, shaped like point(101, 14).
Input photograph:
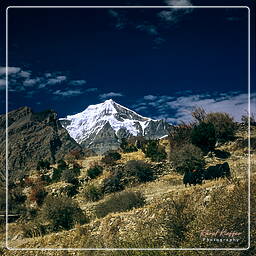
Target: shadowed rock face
point(32, 137)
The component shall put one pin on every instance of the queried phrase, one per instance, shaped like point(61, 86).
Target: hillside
point(32, 137)
point(172, 215)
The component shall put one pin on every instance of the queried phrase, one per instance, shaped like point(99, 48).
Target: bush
point(56, 175)
point(127, 147)
point(62, 165)
point(224, 125)
point(154, 151)
point(180, 134)
point(62, 212)
point(95, 171)
point(72, 190)
point(139, 169)
point(69, 176)
point(37, 194)
point(113, 183)
point(111, 157)
point(92, 193)
point(187, 158)
point(203, 136)
point(120, 202)
point(33, 229)
point(43, 165)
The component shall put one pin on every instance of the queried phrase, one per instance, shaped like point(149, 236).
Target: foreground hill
point(101, 127)
point(173, 215)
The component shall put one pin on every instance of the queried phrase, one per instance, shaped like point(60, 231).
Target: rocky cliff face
point(32, 137)
point(101, 127)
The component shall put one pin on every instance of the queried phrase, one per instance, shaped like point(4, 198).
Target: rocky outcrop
point(32, 137)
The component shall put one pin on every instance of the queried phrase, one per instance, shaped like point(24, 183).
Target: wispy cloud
point(110, 95)
point(77, 82)
point(177, 109)
point(150, 97)
point(173, 15)
point(92, 89)
point(123, 19)
point(25, 81)
point(68, 93)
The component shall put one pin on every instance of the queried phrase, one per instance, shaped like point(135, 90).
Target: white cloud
point(11, 70)
point(172, 15)
point(31, 82)
point(150, 29)
point(68, 93)
point(24, 74)
point(178, 2)
point(150, 97)
point(234, 104)
point(2, 84)
point(56, 80)
point(77, 82)
point(91, 90)
point(110, 95)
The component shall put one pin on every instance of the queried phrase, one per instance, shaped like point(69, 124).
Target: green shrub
point(154, 151)
point(43, 165)
point(33, 229)
point(203, 136)
point(139, 169)
point(62, 212)
point(120, 202)
point(113, 183)
point(180, 134)
point(61, 165)
point(187, 158)
point(127, 147)
point(224, 125)
point(69, 176)
point(56, 175)
point(37, 194)
point(92, 193)
point(95, 171)
point(72, 190)
point(111, 157)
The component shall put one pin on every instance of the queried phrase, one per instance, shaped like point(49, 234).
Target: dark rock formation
point(31, 137)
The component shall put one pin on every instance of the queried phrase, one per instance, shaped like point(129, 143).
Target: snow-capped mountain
point(101, 126)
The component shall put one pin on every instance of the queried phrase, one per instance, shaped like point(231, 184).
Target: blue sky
point(159, 62)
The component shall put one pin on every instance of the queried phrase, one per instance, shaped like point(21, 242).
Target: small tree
point(180, 134)
point(37, 194)
point(111, 157)
point(203, 136)
point(92, 193)
point(95, 171)
point(62, 165)
point(43, 165)
point(187, 158)
point(69, 176)
point(224, 125)
point(139, 169)
point(127, 146)
point(62, 212)
point(199, 114)
point(155, 151)
point(113, 183)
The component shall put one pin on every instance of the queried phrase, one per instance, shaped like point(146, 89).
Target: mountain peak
point(90, 124)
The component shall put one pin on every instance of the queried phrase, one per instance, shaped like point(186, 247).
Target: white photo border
point(132, 249)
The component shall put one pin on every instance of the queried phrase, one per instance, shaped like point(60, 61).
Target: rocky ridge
point(32, 137)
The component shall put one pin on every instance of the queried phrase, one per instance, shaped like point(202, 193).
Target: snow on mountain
point(97, 123)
